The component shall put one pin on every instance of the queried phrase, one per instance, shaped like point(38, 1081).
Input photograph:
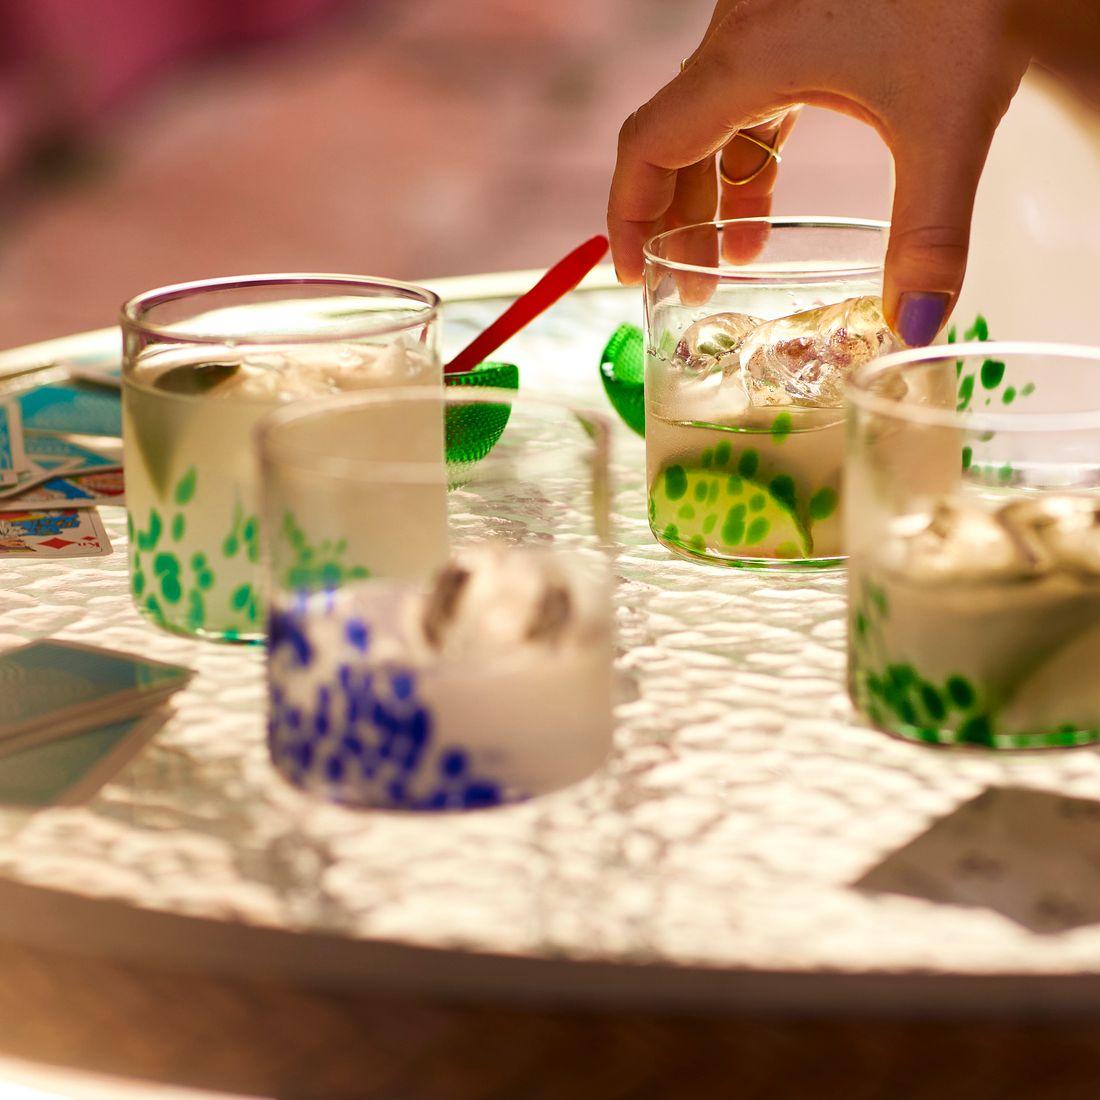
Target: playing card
point(1029, 854)
point(72, 770)
point(61, 534)
point(12, 457)
point(97, 373)
point(76, 406)
point(59, 489)
point(50, 454)
point(51, 688)
point(35, 474)
point(40, 445)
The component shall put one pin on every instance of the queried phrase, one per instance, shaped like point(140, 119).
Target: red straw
point(556, 283)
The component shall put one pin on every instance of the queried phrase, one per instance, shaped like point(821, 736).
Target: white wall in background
point(1035, 252)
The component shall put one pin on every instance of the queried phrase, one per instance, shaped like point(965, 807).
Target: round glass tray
point(749, 843)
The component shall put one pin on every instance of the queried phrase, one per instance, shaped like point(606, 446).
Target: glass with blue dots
point(440, 631)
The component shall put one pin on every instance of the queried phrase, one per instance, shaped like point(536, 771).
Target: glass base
point(984, 738)
point(229, 635)
point(317, 789)
point(788, 565)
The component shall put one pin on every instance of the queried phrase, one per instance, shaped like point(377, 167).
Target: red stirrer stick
point(555, 284)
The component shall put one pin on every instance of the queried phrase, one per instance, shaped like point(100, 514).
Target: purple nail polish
point(920, 316)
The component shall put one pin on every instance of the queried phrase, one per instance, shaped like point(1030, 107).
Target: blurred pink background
point(145, 143)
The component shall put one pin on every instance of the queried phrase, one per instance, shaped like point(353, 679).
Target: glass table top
point(747, 820)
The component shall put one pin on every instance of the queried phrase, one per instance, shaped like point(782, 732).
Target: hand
point(933, 77)
point(700, 188)
point(1065, 38)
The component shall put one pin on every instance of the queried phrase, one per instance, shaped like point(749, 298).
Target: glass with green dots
point(973, 532)
point(203, 362)
point(752, 328)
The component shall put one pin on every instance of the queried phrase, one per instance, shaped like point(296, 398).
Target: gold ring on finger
point(771, 150)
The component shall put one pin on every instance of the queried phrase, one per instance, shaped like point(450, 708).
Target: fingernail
point(920, 316)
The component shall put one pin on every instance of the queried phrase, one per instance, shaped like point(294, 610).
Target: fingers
point(740, 159)
point(644, 186)
point(694, 201)
point(696, 196)
point(683, 125)
point(937, 178)
point(641, 193)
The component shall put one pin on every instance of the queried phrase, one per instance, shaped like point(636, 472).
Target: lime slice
point(701, 510)
point(622, 370)
point(158, 426)
point(473, 430)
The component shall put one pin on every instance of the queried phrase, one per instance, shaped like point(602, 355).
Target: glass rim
point(859, 396)
point(135, 310)
point(744, 272)
point(270, 451)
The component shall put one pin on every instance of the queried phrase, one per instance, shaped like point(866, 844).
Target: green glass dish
point(473, 430)
point(622, 371)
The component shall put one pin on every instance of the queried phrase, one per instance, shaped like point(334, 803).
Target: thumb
point(936, 181)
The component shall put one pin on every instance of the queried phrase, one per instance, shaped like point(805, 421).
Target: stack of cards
point(13, 461)
point(48, 485)
point(71, 715)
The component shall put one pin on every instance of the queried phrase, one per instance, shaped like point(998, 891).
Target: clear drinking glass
point(440, 631)
point(973, 529)
point(744, 420)
point(203, 362)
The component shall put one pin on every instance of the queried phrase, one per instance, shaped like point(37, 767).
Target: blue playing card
point(61, 473)
point(84, 409)
point(80, 489)
point(73, 769)
point(36, 473)
point(52, 688)
point(12, 458)
point(40, 444)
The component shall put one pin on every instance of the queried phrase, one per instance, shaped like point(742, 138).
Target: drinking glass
point(203, 362)
point(438, 577)
point(973, 529)
point(744, 421)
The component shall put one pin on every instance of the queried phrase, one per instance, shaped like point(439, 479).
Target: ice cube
point(490, 601)
point(713, 338)
point(705, 382)
point(1065, 527)
point(287, 372)
point(805, 359)
point(717, 397)
point(960, 543)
